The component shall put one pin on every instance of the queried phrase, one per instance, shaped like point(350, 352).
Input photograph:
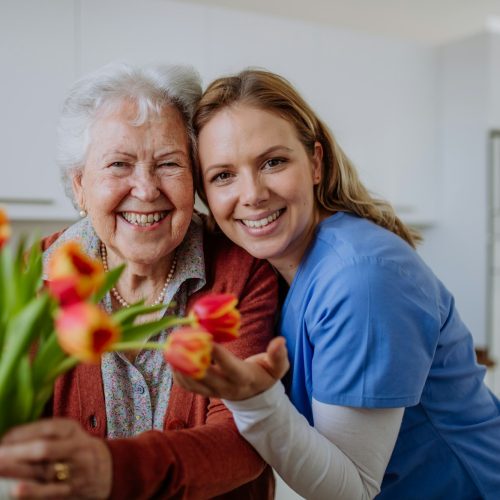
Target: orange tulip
point(217, 314)
point(73, 275)
point(189, 351)
point(4, 228)
point(85, 331)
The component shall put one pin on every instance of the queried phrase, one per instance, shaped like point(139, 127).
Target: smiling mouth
point(264, 221)
point(144, 220)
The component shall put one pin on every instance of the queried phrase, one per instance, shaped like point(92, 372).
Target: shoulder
point(348, 236)
point(48, 241)
point(352, 247)
point(355, 263)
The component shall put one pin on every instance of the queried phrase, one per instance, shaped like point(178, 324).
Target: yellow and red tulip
point(217, 314)
point(85, 331)
point(4, 228)
point(72, 275)
point(189, 351)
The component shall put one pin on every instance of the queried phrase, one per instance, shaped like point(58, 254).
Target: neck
point(287, 264)
point(140, 281)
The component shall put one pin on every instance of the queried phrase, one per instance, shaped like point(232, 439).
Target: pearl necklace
point(116, 294)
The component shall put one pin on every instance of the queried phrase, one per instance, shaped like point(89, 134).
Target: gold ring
point(61, 471)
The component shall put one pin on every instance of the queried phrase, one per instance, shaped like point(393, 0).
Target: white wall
point(378, 95)
point(469, 82)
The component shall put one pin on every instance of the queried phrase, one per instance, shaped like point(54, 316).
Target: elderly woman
point(124, 430)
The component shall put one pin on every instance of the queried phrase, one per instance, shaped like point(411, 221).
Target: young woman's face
point(259, 182)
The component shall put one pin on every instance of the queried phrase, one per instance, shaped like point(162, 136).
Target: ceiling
point(428, 21)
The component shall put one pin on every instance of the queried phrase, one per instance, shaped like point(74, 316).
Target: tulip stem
point(128, 346)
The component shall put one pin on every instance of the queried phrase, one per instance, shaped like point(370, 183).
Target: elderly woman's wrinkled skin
point(133, 172)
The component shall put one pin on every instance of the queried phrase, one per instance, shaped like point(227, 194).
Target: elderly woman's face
point(136, 184)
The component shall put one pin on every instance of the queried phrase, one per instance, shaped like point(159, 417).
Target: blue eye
point(221, 177)
point(119, 164)
point(274, 162)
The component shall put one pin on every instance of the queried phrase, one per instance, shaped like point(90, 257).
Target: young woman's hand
point(56, 458)
point(234, 379)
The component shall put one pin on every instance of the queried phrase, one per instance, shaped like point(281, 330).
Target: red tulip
point(85, 331)
point(189, 351)
point(4, 228)
point(217, 314)
point(72, 275)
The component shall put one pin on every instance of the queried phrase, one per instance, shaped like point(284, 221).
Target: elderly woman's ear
point(76, 182)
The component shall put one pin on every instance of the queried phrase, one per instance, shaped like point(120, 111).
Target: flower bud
point(217, 314)
point(72, 275)
point(189, 351)
point(85, 331)
point(5, 229)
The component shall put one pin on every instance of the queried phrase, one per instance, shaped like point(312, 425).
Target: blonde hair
point(340, 188)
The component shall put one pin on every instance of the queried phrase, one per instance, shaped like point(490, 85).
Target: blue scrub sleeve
point(373, 333)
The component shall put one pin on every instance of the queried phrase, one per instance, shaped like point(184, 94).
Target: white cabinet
point(37, 58)
point(494, 258)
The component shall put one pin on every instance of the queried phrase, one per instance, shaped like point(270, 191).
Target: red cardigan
point(200, 453)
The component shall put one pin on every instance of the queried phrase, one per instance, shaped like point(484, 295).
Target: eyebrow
point(260, 157)
point(274, 149)
point(117, 152)
point(164, 153)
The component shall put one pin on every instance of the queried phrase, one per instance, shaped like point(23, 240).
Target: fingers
point(230, 366)
point(32, 489)
point(22, 470)
point(278, 357)
point(192, 385)
point(212, 385)
point(37, 450)
point(48, 428)
point(234, 379)
point(65, 458)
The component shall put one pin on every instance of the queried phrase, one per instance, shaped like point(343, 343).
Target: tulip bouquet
point(46, 329)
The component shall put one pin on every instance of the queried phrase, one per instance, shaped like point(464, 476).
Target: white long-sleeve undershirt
point(344, 456)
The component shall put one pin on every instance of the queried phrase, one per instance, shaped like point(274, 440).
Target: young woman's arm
point(343, 457)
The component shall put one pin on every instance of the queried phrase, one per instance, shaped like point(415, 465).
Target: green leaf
point(20, 332)
point(23, 402)
point(3, 305)
point(31, 277)
point(62, 367)
point(111, 277)
point(127, 315)
point(146, 330)
point(8, 285)
point(48, 355)
point(44, 392)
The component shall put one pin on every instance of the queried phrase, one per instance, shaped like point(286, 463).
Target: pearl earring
point(83, 213)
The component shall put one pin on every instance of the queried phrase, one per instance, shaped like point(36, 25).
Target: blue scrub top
point(369, 325)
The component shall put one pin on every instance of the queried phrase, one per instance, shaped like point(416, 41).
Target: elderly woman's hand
point(234, 379)
point(56, 458)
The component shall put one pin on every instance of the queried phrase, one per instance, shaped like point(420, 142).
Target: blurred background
point(410, 88)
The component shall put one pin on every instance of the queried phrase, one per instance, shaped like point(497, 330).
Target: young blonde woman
point(384, 393)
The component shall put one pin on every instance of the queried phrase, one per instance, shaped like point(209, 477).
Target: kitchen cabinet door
point(37, 57)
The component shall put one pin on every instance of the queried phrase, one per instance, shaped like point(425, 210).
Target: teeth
point(143, 219)
point(262, 222)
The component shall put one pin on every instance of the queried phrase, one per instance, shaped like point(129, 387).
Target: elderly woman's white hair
point(150, 87)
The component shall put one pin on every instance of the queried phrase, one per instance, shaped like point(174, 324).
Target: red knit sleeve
point(210, 459)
